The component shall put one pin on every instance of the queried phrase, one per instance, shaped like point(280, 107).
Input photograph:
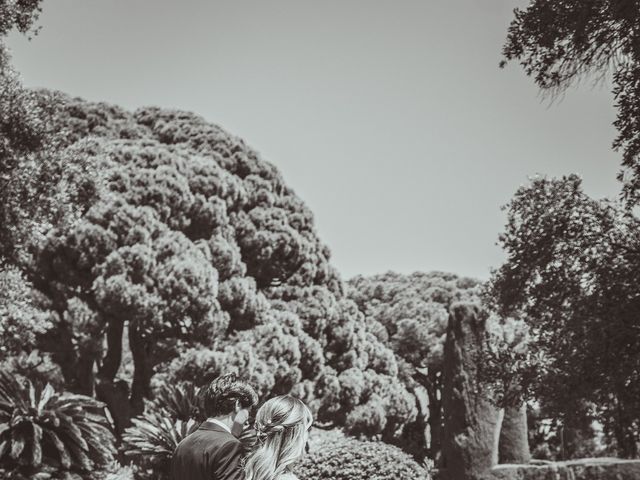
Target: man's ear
point(238, 406)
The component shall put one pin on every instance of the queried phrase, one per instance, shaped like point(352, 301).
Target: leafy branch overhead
point(559, 42)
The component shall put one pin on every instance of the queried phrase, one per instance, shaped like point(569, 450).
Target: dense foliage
point(409, 314)
point(559, 42)
point(349, 459)
point(572, 273)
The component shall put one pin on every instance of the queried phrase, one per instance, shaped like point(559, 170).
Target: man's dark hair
point(220, 397)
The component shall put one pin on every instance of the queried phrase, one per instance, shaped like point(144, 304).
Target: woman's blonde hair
point(282, 426)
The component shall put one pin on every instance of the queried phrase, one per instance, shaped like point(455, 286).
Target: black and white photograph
point(320, 240)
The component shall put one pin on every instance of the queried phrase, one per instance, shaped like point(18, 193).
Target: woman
point(282, 429)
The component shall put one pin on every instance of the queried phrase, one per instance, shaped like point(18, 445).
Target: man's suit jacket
point(209, 453)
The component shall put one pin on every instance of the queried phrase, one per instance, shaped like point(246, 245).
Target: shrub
point(368, 419)
point(202, 365)
point(20, 320)
point(42, 430)
point(36, 366)
point(151, 441)
point(319, 436)
point(350, 459)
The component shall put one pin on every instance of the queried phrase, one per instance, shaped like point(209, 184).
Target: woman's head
point(282, 427)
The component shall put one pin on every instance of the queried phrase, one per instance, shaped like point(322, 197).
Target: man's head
point(226, 395)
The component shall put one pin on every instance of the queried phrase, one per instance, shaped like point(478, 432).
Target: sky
point(390, 119)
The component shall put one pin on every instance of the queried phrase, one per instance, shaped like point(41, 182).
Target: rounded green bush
point(351, 459)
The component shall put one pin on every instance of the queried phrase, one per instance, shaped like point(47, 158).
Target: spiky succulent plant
point(40, 428)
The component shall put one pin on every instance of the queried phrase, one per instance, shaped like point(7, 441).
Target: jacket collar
point(214, 426)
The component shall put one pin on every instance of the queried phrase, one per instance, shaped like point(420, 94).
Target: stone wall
point(584, 469)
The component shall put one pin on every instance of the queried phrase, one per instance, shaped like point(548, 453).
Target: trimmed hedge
point(350, 459)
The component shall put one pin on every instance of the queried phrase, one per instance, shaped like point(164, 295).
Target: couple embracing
point(213, 452)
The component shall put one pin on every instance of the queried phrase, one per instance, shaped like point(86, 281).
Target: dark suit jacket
point(209, 453)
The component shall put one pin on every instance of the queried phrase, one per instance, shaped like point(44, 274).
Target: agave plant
point(179, 402)
point(151, 441)
point(43, 430)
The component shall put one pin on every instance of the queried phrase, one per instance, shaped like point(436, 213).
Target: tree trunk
point(413, 439)
point(435, 422)
point(627, 441)
point(115, 394)
point(77, 366)
point(141, 349)
point(431, 380)
point(626, 437)
point(471, 421)
point(514, 441)
point(59, 342)
point(113, 358)
point(85, 378)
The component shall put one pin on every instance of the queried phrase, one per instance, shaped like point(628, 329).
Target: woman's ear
point(238, 406)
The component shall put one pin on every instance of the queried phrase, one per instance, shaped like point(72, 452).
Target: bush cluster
point(350, 459)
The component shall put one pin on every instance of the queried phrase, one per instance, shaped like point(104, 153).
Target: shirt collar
point(219, 423)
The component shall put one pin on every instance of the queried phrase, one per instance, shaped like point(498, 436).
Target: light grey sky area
point(391, 119)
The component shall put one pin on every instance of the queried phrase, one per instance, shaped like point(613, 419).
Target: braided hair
point(281, 426)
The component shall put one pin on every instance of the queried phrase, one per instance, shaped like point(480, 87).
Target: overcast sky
point(391, 119)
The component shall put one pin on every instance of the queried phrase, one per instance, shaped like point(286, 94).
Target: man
point(212, 452)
